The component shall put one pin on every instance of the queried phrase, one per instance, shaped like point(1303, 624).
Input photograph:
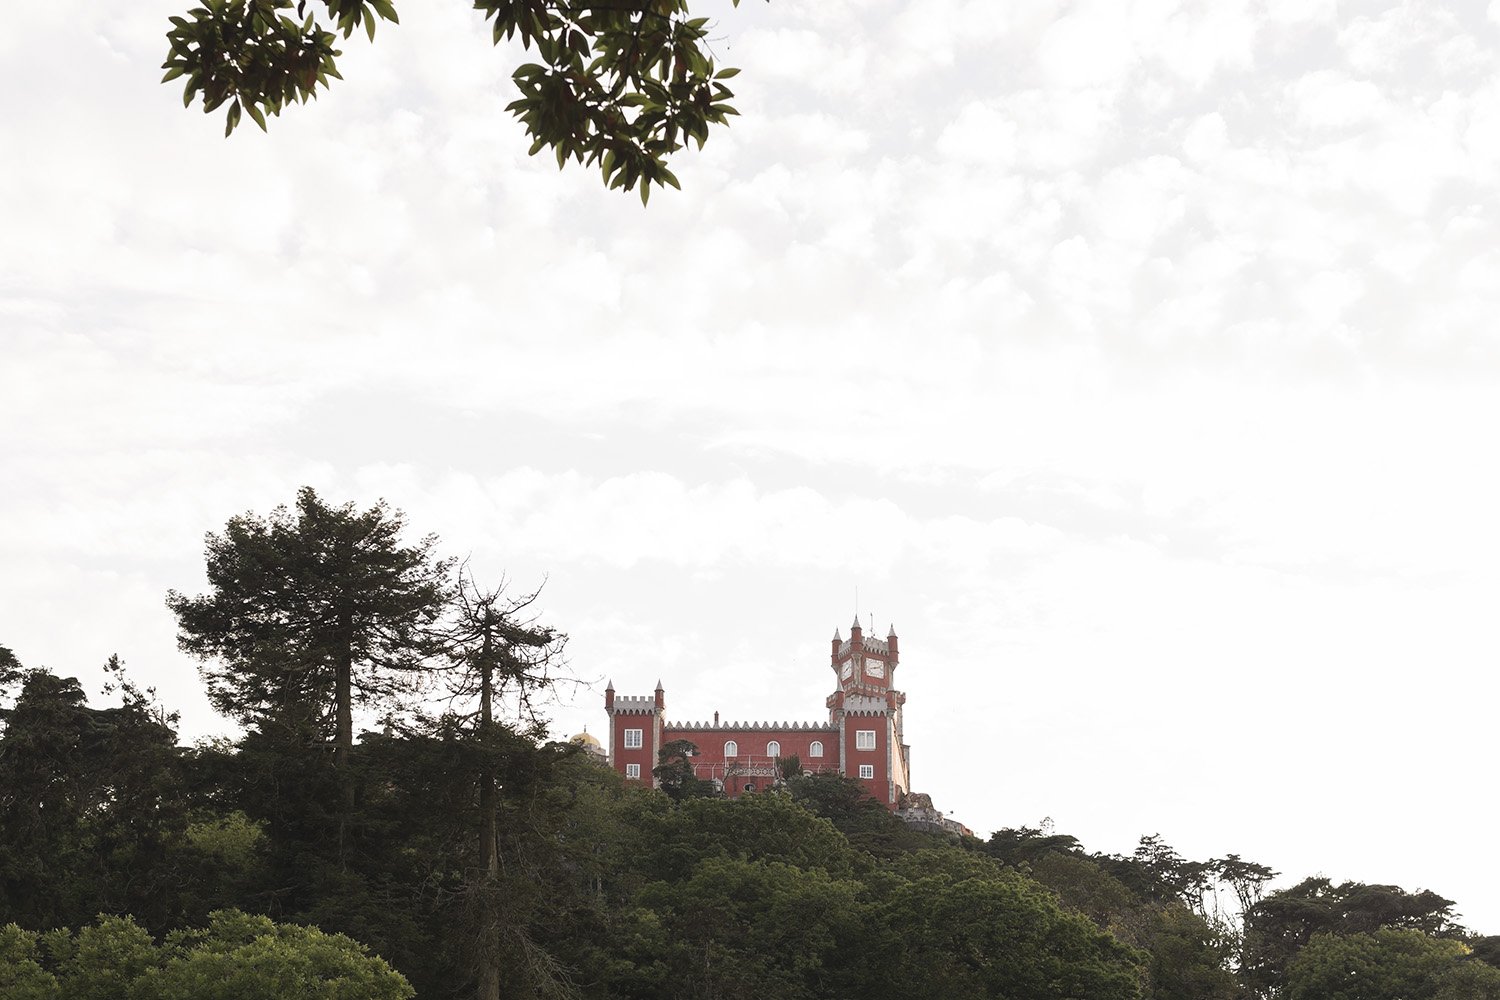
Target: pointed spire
point(658, 684)
point(611, 685)
point(855, 627)
point(836, 636)
point(892, 630)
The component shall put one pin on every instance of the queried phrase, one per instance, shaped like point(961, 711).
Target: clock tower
point(866, 708)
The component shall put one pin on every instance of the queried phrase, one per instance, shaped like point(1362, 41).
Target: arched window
point(816, 750)
point(731, 749)
point(773, 749)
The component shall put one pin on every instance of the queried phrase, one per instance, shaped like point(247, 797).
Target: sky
point(1135, 360)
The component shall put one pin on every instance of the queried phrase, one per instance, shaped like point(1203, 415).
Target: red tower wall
point(880, 784)
point(628, 714)
point(642, 756)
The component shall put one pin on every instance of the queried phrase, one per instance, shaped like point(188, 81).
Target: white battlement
point(867, 645)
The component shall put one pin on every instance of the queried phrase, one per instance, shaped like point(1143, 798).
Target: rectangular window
point(632, 770)
point(633, 739)
point(867, 771)
point(864, 739)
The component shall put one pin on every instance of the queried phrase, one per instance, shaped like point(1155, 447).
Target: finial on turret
point(836, 636)
point(891, 631)
point(610, 686)
point(658, 684)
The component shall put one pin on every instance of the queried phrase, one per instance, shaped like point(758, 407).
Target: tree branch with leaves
point(619, 84)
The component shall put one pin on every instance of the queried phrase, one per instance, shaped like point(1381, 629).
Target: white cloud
point(981, 133)
point(1293, 12)
point(1327, 99)
point(1089, 47)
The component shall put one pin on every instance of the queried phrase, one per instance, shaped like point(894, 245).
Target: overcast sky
point(1137, 360)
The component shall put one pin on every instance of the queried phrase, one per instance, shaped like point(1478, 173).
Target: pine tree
point(310, 612)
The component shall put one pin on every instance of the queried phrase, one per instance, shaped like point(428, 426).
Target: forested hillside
point(462, 853)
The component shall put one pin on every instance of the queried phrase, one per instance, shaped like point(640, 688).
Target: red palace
point(861, 738)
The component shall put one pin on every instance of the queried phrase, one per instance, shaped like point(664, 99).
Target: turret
point(891, 643)
point(856, 634)
point(661, 697)
point(609, 697)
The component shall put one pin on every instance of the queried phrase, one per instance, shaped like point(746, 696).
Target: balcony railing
point(745, 765)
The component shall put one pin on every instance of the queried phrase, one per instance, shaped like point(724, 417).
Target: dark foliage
point(862, 820)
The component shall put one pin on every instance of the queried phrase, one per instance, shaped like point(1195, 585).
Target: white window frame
point(864, 739)
point(867, 772)
point(731, 749)
point(773, 748)
point(816, 750)
point(633, 771)
point(633, 738)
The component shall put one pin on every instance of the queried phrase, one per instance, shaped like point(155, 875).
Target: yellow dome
point(587, 740)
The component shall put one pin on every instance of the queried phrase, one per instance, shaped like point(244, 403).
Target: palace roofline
point(785, 727)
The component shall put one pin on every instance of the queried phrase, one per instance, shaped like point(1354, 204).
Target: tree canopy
point(1389, 964)
point(236, 957)
point(1279, 927)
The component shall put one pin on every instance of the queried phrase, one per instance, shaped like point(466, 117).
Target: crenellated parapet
point(744, 727)
point(633, 705)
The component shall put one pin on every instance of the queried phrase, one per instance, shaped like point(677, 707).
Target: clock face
point(848, 669)
point(875, 668)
